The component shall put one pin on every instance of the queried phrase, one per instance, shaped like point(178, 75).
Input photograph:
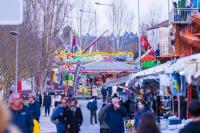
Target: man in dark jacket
point(104, 93)
point(34, 108)
point(39, 98)
point(47, 103)
point(104, 128)
point(75, 117)
point(92, 107)
point(194, 126)
point(60, 117)
point(114, 116)
point(21, 115)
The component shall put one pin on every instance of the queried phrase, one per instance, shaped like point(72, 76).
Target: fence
point(182, 15)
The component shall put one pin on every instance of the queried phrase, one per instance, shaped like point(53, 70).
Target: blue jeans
point(47, 110)
point(60, 128)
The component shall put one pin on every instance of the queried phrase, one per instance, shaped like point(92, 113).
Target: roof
point(151, 71)
point(162, 24)
point(109, 65)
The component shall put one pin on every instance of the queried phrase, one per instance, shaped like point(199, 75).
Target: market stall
point(178, 84)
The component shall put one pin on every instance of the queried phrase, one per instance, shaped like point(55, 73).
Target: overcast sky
point(133, 7)
point(103, 23)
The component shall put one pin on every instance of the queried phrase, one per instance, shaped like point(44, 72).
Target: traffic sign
point(11, 12)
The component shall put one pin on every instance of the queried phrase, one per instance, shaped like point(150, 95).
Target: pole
point(179, 106)
point(139, 46)
point(16, 65)
point(95, 15)
point(168, 11)
point(80, 31)
point(113, 26)
point(113, 18)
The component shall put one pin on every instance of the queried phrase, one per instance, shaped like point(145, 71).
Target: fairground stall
point(96, 68)
point(176, 84)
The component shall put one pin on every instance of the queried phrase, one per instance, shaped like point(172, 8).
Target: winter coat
point(101, 117)
point(36, 128)
point(109, 91)
point(138, 116)
point(114, 118)
point(22, 119)
point(47, 101)
point(40, 99)
point(35, 110)
point(92, 105)
point(103, 92)
point(192, 127)
point(94, 92)
point(58, 116)
point(76, 120)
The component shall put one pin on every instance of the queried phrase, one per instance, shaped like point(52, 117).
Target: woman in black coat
point(47, 103)
point(75, 117)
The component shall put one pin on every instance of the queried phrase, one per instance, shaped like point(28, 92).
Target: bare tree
point(123, 18)
point(53, 15)
point(39, 38)
point(86, 20)
point(154, 17)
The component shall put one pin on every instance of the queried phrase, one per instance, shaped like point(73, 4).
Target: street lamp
point(16, 34)
point(113, 7)
point(139, 46)
point(95, 16)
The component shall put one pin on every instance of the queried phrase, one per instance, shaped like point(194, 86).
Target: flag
point(74, 43)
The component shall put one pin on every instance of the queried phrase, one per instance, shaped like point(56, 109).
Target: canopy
point(188, 66)
point(109, 65)
point(151, 71)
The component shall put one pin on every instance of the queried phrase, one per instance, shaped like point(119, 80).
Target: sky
point(133, 7)
point(161, 6)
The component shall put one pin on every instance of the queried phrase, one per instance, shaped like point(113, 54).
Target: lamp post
point(16, 34)
point(95, 16)
point(139, 46)
point(113, 8)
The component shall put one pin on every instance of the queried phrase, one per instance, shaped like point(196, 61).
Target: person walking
point(109, 97)
point(141, 110)
point(94, 92)
point(21, 115)
point(60, 116)
point(104, 128)
point(57, 99)
point(34, 107)
point(92, 107)
point(104, 93)
point(114, 116)
point(148, 124)
point(75, 117)
point(194, 125)
point(39, 98)
point(47, 103)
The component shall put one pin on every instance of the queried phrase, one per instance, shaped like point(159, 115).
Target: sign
point(11, 12)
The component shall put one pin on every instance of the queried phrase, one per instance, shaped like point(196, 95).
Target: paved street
point(48, 127)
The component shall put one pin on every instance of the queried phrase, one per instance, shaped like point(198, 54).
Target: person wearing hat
point(34, 107)
point(21, 115)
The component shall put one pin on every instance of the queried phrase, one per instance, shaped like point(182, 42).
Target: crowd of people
point(24, 116)
point(67, 117)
